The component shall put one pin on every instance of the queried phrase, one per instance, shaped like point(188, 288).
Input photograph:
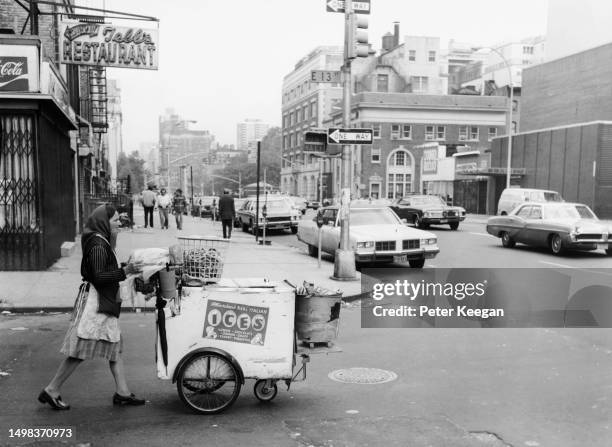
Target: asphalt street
point(533, 387)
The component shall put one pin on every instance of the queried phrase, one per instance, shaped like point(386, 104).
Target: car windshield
point(570, 212)
point(426, 200)
point(373, 216)
point(275, 205)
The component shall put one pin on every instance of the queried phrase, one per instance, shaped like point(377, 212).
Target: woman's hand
point(132, 268)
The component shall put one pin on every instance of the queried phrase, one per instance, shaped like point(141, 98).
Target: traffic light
point(315, 140)
point(358, 36)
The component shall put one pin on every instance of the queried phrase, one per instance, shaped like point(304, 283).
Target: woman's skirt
point(90, 334)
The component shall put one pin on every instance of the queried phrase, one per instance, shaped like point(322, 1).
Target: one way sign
point(349, 136)
point(359, 6)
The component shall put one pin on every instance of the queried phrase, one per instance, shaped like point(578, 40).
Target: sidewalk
point(55, 289)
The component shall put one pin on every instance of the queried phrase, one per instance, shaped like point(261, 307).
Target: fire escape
point(98, 103)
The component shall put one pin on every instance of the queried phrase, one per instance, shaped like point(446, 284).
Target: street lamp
point(509, 162)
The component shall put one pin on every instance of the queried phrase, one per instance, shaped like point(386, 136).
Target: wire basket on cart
point(203, 259)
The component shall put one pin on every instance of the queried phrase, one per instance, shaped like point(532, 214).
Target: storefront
point(37, 158)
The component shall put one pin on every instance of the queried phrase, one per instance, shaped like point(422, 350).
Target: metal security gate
point(20, 233)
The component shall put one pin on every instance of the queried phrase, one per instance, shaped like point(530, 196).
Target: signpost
point(360, 7)
point(319, 226)
point(349, 136)
point(325, 76)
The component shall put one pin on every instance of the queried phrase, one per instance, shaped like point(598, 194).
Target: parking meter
point(319, 220)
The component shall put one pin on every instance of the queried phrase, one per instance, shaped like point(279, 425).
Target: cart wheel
point(208, 383)
point(263, 392)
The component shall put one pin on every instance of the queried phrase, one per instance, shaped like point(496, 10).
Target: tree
point(240, 166)
point(133, 166)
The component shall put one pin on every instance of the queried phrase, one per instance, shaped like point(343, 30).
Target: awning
point(492, 172)
point(67, 121)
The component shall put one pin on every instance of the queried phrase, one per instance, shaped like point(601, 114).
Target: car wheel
point(313, 251)
point(418, 222)
point(454, 225)
point(556, 244)
point(294, 230)
point(507, 241)
point(503, 213)
point(609, 251)
point(416, 263)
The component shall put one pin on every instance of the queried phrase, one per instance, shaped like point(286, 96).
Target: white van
point(512, 197)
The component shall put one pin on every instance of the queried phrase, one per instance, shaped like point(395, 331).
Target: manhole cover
point(363, 376)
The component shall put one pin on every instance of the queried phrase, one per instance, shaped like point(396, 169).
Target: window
point(313, 109)
point(431, 56)
point(527, 50)
point(524, 211)
point(376, 131)
point(285, 121)
point(474, 134)
point(407, 132)
point(412, 55)
point(298, 115)
point(440, 133)
point(292, 118)
point(375, 158)
point(492, 132)
point(305, 112)
point(429, 133)
point(395, 131)
point(463, 133)
point(419, 84)
point(399, 159)
point(292, 139)
point(514, 105)
point(285, 142)
point(382, 83)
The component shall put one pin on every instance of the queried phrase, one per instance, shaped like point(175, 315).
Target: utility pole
point(344, 262)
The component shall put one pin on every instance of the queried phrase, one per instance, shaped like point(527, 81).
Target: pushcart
point(218, 336)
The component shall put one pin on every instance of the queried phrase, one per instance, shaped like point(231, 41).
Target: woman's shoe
point(56, 402)
point(127, 400)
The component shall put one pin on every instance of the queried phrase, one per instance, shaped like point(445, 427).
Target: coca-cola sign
point(14, 74)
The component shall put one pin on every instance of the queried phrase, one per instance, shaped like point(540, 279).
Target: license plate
point(602, 246)
point(443, 220)
point(400, 259)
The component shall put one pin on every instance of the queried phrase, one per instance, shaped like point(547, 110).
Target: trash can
point(317, 314)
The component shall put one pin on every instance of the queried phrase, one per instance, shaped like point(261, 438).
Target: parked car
point(424, 210)
point(313, 204)
point(299, 203)
point(512, 197)
point(560, 226)
point(238, 203)
point(280, 214)
point(207, 205)
point(376, 235)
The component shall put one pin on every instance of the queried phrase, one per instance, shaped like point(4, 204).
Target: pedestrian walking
point(227, 213)
point(148, 203)
point(164, 202)
point(179, 205)
point(94, 328)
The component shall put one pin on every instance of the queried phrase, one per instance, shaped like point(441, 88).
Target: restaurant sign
point(106, 45)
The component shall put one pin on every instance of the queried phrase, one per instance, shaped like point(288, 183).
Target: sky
point(222, 61)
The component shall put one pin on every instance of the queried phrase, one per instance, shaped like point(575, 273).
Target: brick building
point(38, 150)
point(403, 123)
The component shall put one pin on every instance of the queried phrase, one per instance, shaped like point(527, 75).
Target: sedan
point(424, 210)
point(558, 226)
point(376, 235)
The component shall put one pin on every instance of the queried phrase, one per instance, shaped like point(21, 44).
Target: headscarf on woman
point(98, 222)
